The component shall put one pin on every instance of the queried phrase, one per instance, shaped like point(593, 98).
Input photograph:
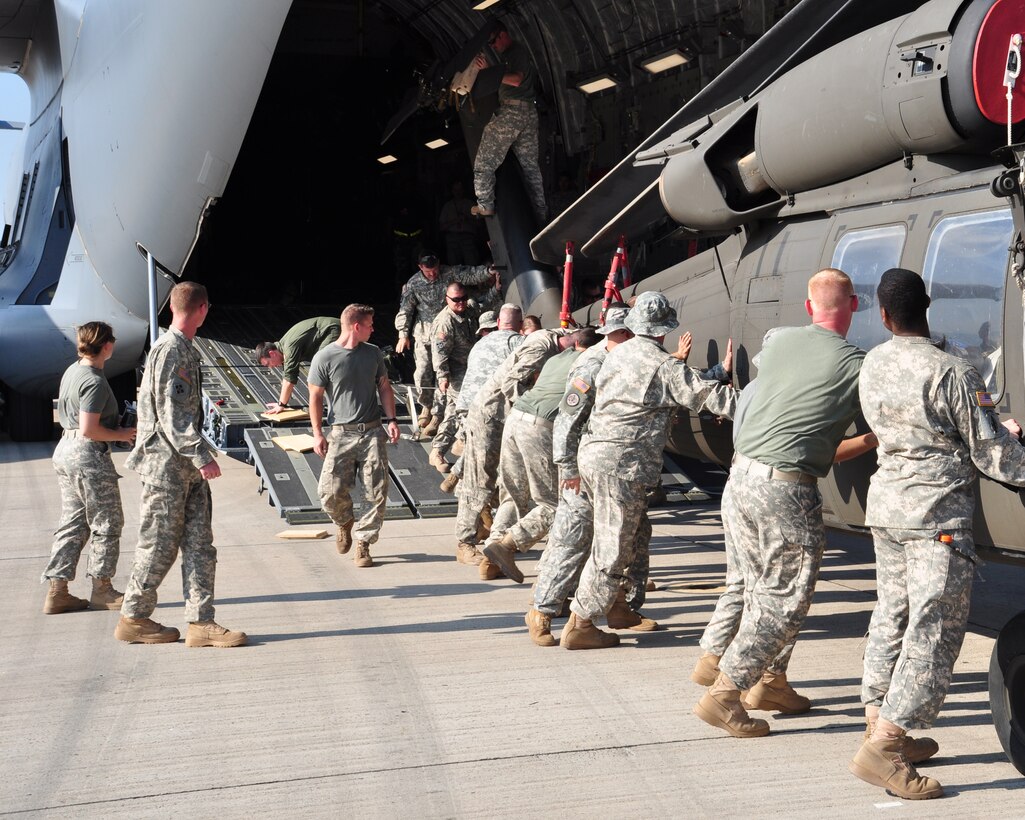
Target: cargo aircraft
point(858, 134)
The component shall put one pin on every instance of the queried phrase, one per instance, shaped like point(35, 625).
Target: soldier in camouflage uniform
point(484, 359)
point(937, 431)
point(90, 501)
point(176, 465)
point(453, 334)
point(352, 375)
point(569, 540)
point(639, 387)
point(514, 125)
point(772, 509)
point(725, 620)
point(527, 476)
point(482, 429)
point(423, 297)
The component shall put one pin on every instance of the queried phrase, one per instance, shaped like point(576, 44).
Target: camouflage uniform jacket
point(484, 359)
point(169, 446)
point(453, 336)
point(516, 375)
point(577, 403)
point(422, 301)
point(937, 430)
point(638, 389)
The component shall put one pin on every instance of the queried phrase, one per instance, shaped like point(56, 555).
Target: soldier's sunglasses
point(457, 298)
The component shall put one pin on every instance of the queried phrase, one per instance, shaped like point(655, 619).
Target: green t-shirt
point(86, 388)
point(303, 340)
point(807, 398)
point(350, 376)
point(544, 398)
point(517, 61)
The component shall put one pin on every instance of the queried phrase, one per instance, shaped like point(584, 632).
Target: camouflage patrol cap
point(615, 318)
point(652, 315)
point(488, 321)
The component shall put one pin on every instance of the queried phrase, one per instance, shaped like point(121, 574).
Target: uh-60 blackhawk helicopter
point(860, 136)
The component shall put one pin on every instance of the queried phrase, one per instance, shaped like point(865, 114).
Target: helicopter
point(896, 146)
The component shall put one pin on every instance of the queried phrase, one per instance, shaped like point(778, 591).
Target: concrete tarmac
point(411, 689)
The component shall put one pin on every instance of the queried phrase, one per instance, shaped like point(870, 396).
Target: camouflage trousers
point(725, 620)
point(90, 509)
point(924, 589)
point(446, 435)
point(348, 452)
point(569, 547)
point(479, 474)
point(619, 511)
point(528, 481)
point(424, 378)
point(172, 519)
point(778, 537)
point(512, 126)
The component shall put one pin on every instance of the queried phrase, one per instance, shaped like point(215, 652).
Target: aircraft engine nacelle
point(926, 83)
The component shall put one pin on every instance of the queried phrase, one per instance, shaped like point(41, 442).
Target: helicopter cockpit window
point(965, 272)
point(864, 256)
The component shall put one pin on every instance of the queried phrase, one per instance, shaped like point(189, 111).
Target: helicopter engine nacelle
point(926, 83)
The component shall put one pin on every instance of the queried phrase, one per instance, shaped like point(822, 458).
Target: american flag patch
point(581, 385)
point(984, 399)
point(183, 374)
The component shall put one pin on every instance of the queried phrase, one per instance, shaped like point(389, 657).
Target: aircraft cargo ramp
point(236, 390)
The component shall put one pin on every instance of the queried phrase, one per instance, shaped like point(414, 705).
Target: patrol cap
point(429, 259)
point(615, 318)
point(652, 315)
point(488, 321)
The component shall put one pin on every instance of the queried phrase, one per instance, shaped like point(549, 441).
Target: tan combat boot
point(437, 460)
point(431, 429)
point(58, 599)
point(457, 448)
point(706, 670)
point(721, 707)
point(540, 627)
point(650, 586)
point(144, 630)
point(774, 694)
point(488, 571)
point(362, 557)
point(622, 617)
point(916, 749)
point(449, 484)
point(575, 636)
point(424, 417)
point(884, 764)
point(503, 553)
point(105, 596)
point(343, 540)
point(468, 554)
point(209, 633)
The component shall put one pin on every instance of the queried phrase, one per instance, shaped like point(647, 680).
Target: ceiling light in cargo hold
point(387, 159)
point(438, 143)
point(483, 4)
point(664, 61)
point(600, 82)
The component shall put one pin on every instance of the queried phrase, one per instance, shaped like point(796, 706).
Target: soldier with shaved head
point(772, 508)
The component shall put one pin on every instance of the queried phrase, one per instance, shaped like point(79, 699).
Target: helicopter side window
point(965, 271)
point(864, 255)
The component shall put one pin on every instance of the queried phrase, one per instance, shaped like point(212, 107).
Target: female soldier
point(90, 500)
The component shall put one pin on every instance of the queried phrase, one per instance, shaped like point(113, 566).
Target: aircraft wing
point(809, 28)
